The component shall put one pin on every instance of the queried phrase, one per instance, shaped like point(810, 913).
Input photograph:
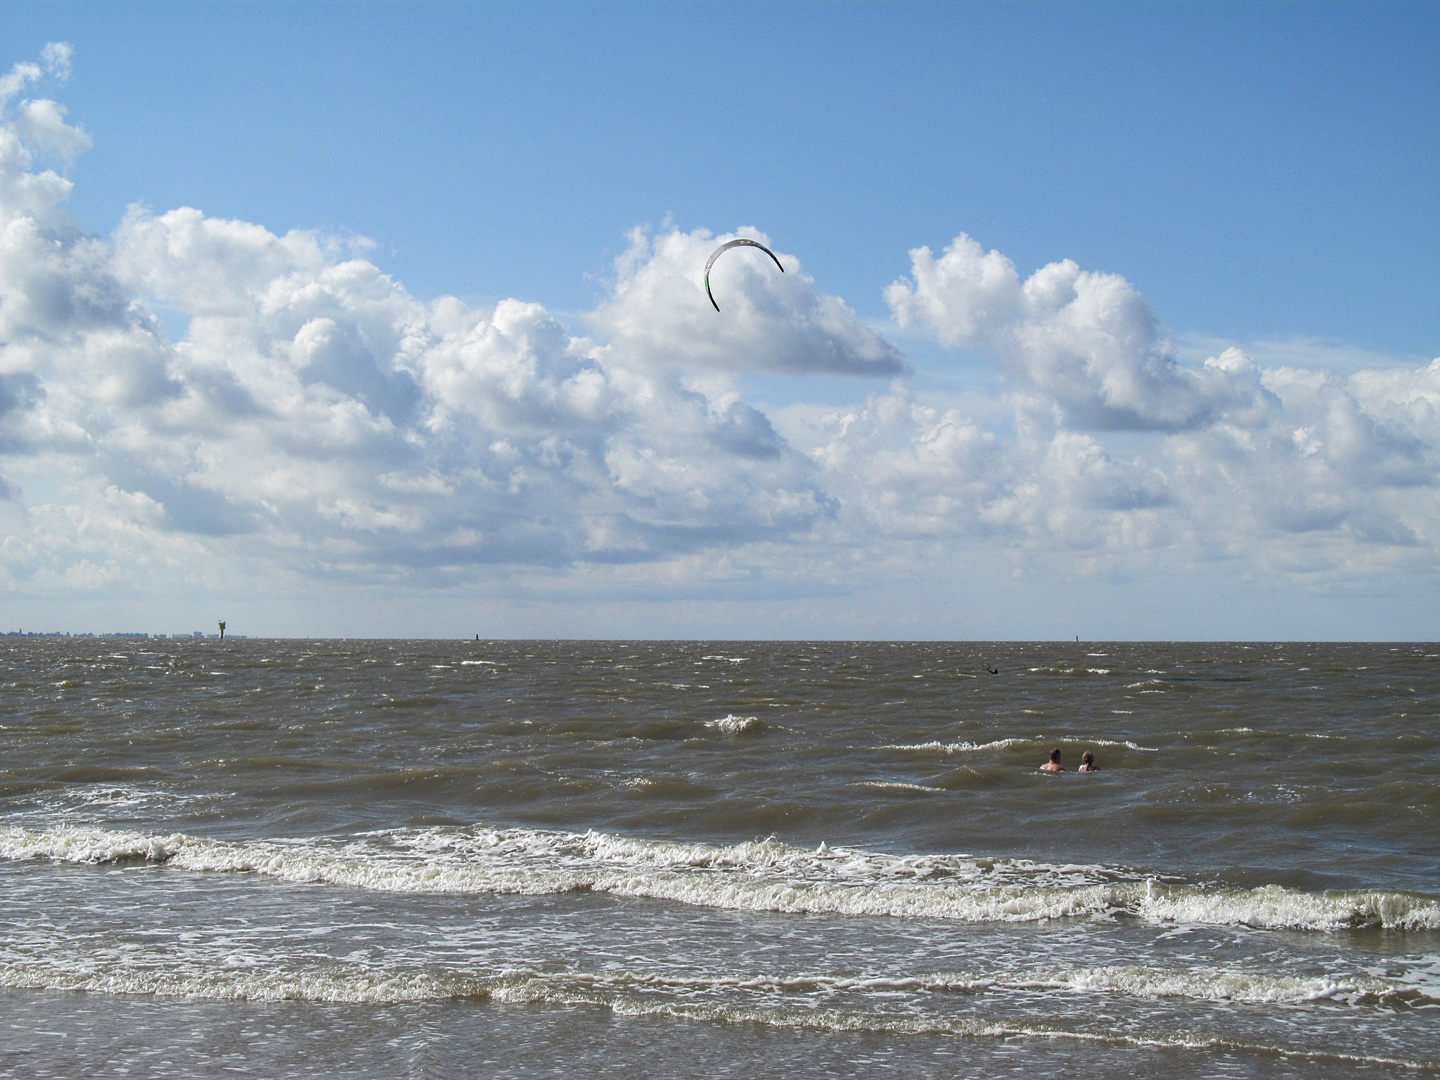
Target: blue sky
point(1256, 170)
point(1263, 176)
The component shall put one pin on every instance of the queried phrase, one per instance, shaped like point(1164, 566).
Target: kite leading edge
point(742, 242)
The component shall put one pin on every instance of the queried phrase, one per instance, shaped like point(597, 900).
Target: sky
point(1097, 320)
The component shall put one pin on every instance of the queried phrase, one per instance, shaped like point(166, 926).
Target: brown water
point(394, 858)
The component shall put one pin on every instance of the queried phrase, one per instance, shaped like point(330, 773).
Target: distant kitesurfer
point(1053, 765)
point(222, 629)
point(1087, 762)
point(992, 670)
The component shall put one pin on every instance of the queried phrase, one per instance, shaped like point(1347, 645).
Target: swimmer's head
point(1055, 755)
point(1087, 758)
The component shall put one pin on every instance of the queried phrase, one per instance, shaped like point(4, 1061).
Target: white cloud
point(1088, 340)
point(55, 58)
point(41, 122)
point(1298, 352)
point(317, 422)
point(658, 314)
point(967, 298)
point(16, 79)
point(1289, 468)
point(317, 411)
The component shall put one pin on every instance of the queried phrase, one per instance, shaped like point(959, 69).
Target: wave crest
point(763, 875)
point(736, 725)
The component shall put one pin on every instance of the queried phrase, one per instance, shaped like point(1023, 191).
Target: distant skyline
point(1110, 320)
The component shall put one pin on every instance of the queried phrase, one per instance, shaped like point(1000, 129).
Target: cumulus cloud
point(658, 313)
point(41, 122)
point(317, 411)
point(1088, 340)
point(317, 421)
point(337, 406)
point(1342, 473)
point(1301, 468)
point(912, 471)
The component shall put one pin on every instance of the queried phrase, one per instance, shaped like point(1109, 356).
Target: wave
point(1005, 744)
point(958, 747)
point(882, 1004)
point(343, 982)
point(764, 875)
point(115, 799)
point(736, 725)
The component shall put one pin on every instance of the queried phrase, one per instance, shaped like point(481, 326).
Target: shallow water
point(292, 858)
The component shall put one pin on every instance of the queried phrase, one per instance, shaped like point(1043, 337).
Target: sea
point(400, 858)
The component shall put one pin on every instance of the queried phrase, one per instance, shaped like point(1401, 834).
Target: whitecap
point(762, 875)
point(736, 725)
point(958, 747)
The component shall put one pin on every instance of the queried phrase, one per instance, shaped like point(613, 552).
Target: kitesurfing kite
point(725, 247)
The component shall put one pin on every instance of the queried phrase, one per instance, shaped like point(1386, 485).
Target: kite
point(725, 247)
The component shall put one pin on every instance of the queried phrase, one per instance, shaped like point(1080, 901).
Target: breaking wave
point(345, 982)
point(890, 1005)
point(764, 875)
point(736, 725)
point(1004, 744)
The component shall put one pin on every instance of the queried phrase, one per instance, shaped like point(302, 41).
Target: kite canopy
point(726, 247)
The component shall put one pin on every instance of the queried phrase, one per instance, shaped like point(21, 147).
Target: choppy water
point(384, 859)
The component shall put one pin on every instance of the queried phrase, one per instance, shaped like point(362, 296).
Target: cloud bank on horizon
point(315, 422)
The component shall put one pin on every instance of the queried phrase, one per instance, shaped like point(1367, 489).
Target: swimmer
point(1087, 762)
point(1053, 765)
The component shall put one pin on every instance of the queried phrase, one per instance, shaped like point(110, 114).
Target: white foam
point(736, 725)
point(110, 798)
point(348, 982)
point(959, 747)
point(1275, 907)
point(1120, 742)
point(937, 747)
point(816, 1002)
point(347, 986)
point(763, 875)
point(1251, 987)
